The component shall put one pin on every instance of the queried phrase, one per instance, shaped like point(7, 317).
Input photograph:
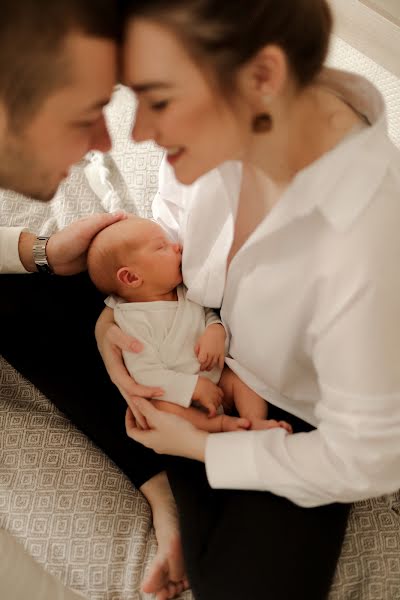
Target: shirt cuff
point(230, 460)
point(10, 261)
point(181, 391)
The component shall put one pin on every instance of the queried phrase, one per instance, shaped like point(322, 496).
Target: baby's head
point(134, 259)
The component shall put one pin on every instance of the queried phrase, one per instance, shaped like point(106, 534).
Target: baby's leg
point(236, 393)
point(201, 420)
point(247, 402)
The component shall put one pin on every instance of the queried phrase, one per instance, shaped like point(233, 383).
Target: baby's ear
point(127, 276)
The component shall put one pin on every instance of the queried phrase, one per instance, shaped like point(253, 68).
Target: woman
point(296, 241)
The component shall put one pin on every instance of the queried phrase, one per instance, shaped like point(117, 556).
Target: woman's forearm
point(104, 321)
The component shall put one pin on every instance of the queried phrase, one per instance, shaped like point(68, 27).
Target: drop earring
point(262, 123)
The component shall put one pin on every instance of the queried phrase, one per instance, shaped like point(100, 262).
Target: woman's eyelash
point(159, 105)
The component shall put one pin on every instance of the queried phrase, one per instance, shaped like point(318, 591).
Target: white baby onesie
point(169, 331)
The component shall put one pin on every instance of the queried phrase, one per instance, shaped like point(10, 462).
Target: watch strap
point(40, 256)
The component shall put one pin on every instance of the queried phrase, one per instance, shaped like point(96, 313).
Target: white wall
point(376, 56)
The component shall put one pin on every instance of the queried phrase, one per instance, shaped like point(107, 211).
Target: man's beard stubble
point(20, 172)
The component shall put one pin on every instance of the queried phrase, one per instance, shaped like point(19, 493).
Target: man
point(58, 68)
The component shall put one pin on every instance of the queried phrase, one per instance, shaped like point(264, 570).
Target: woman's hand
point(111, 341)
point(167, 433)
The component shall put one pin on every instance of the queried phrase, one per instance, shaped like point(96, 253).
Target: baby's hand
point(210, 347)
point(208, 395)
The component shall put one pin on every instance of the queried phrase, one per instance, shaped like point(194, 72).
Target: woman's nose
point(142, 129)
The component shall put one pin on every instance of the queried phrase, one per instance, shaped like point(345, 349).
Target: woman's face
point(178, 107)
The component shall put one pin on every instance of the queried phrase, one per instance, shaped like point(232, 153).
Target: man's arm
point(66, 249)
point(25, 250)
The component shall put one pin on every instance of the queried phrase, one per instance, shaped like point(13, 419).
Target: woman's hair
point(225, 34)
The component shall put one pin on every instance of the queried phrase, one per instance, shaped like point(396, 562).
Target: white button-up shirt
point(312, 305)
point(10, 261)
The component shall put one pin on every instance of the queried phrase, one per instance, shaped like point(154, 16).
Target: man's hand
point(208, 395)
point(210, 347)
point(66, 249)
point(166, 433)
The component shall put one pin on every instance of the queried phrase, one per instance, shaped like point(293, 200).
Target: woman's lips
point(174, 154)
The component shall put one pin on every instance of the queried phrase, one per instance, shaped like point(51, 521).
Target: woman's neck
point(305, 127)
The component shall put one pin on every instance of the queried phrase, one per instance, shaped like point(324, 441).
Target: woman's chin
point(186, 176)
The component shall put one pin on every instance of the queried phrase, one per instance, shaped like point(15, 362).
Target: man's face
point(69, 123)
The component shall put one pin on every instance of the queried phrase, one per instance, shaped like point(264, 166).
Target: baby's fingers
point(203, 360)
point(210, 405)
point(210, 362)
point(217, 361)
point(212, 411)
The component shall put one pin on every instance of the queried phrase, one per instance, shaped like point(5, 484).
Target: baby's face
point(158, 258)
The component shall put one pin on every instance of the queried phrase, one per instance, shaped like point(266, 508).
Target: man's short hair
point(32, 33)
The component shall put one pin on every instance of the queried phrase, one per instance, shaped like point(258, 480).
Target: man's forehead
point(90, 58)
point(91, 66)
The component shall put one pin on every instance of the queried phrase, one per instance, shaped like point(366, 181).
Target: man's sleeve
point(9, 255)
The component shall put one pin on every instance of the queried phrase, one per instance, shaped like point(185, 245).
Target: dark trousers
point(238, 545)
point(47, 334)
point(244, 545)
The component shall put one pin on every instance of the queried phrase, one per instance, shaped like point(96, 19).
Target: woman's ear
point(264, 76)
point(127, 276)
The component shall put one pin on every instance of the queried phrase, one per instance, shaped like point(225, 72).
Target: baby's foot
point(229, 423)
point(259, 424)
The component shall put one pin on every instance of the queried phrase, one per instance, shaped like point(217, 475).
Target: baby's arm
point(210, 347)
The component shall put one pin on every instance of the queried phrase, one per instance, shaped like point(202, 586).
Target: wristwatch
point(40, 256)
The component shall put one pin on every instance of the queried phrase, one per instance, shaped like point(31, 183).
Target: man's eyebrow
point(146, 87)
